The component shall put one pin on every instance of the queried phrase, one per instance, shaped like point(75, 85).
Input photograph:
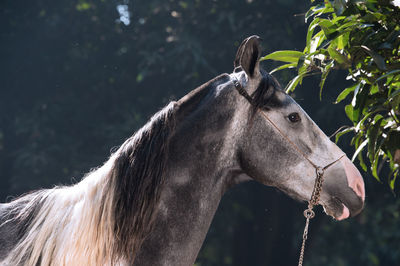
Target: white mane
point(73, 227)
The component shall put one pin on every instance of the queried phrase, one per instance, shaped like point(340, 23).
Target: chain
point(303, 244)
point(309, 213)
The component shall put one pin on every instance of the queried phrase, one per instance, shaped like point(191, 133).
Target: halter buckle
point(236, 83)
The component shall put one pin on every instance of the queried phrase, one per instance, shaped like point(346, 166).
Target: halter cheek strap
point(319, 171)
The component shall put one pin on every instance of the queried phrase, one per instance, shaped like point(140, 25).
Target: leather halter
point(319, 170)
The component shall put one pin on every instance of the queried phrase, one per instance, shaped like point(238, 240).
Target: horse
point(152, 201)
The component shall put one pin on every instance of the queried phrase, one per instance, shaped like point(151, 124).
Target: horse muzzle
point(346, 191)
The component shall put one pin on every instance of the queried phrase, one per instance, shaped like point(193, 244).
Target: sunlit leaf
point(374, 167)
point(316, 41)
point(341, 59)
point(324, 76)
point(358, 154)
point(393, 179)
point(372, 134)
point(300, 63)
point(310, 32)
point(346, 92)
point(293, 83)
point(285, 66)
point(349, 111)
point(284, 56)
point(343, 132)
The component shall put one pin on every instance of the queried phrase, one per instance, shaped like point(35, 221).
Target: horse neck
point(201, 164)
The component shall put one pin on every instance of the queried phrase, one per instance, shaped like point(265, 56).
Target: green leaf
point(341, 59)
point(316, 41)
point(284, 56)
point(292, 65)
point(395, 102)
point(300, 63)
point(325, 74)
point(387, 74)
point(392, 180)
point(326, 25)
point(310, 32)
point(394, 94)
point(349, 111)
point(372, 134)
point(361, 122)
point(378, 59)
point(339, 6)
point(358, 155)
point(317, 10)
point(374, 167)
point(343, 40)
point(340, 42)
point(310, 12)
point(343, 132)
point(356, 90)
point(346, 92)
point(374, 89)
point(359, 102)
point(293, 83)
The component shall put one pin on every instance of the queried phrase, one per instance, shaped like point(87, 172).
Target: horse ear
point(248, 54)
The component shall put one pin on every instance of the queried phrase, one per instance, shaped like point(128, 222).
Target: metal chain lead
point(303, 244)
point(309, 213)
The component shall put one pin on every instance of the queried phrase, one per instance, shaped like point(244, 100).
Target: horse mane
point(137, 179)
point(104, 218)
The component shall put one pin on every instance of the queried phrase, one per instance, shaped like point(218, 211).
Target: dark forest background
point(77, 77)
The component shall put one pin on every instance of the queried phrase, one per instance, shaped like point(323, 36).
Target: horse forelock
point(264, 96)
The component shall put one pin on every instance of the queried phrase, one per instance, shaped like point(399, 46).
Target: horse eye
point(294, 117)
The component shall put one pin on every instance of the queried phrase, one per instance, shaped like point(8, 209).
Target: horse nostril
point(360, 190)
point(354, 178)
point(357, 184)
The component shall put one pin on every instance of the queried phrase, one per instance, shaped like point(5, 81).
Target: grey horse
point(152, 201)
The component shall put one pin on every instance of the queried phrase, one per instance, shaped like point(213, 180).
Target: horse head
point(281, 146)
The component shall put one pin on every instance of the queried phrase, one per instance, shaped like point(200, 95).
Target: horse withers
point(152, 201)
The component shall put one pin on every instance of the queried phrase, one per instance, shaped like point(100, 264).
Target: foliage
point(362, 37)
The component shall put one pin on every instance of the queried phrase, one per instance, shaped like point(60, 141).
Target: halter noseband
point(319, 171)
